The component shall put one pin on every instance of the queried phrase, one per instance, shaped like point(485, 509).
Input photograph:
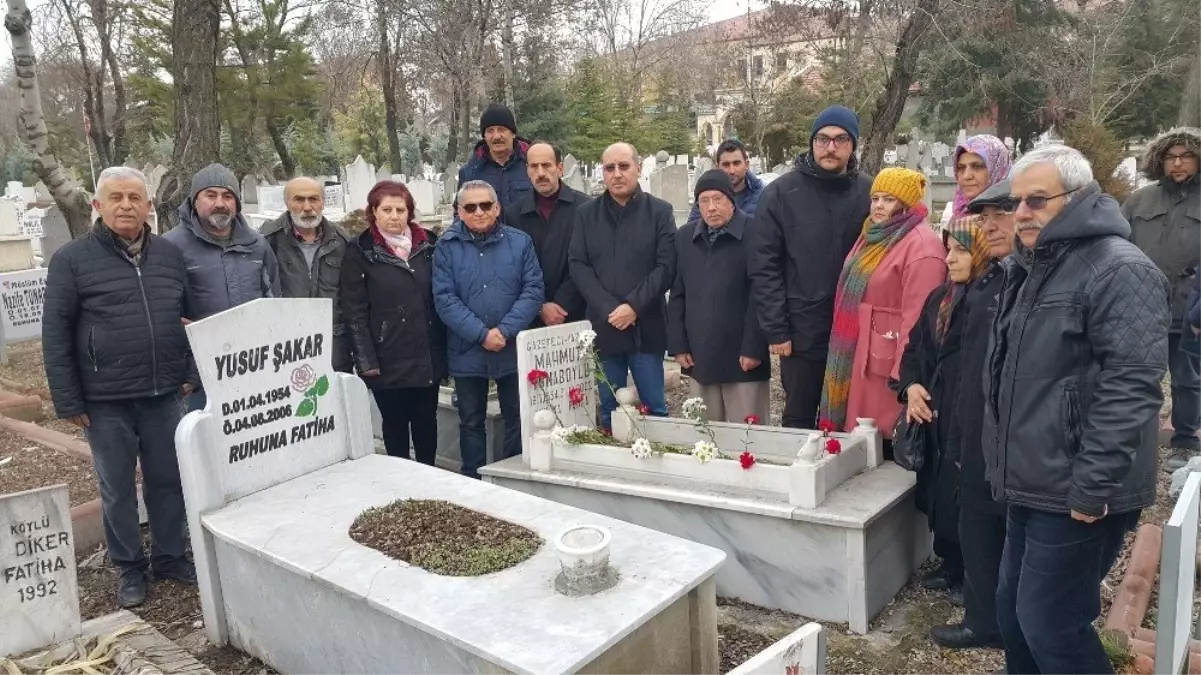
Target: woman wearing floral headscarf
point(929, 378)
point(980, 162)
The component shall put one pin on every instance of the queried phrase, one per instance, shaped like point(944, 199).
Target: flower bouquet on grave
point(830, 444)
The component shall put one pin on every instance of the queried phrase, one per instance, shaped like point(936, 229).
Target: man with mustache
point(1079, 347)
point(1165, 218)
point(310, 250)
point(228, 263)
point(499, 159)
point(805, 224)
point(547, 214)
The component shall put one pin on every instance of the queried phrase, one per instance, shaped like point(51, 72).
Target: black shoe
point(941, 580)
point(181, 570)
point(131, 588)
point(959, 636)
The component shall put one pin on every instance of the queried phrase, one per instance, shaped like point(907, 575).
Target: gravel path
point(33, 466)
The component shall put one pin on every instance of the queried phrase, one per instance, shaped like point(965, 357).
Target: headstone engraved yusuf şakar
point(39, 592)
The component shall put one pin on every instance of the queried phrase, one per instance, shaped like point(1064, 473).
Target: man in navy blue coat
point(487, 289)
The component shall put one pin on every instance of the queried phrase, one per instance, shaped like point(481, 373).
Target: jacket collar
point(753, 183)
point(481, 154)
point(109, 238)
point(329, 231)
point(241, 235)
point(734, 228)
point(567, 195)
point(458, 230)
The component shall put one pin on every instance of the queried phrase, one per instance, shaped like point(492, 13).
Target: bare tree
point(69, 197)
point(1190, 97)
point(387, 82)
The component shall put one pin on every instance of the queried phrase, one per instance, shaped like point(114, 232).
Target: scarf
point(133, 249)
point(971, 237)
point(996, 157)
point(874, 244)
point(401, 244)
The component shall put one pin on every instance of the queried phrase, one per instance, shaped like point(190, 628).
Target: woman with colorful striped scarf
point(980, 162)
point(890, 270)
point(930, 374)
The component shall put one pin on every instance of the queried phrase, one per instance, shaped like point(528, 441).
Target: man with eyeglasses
point(1072, 396)
point(805, 224)
point(487, 289)
point(1166, 220)
point(623, 261)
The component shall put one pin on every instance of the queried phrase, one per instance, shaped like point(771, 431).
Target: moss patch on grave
point(444, 538)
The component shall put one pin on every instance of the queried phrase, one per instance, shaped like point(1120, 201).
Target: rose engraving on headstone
point(39, 592)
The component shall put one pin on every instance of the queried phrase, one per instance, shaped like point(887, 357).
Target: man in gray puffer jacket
point(228, 263)
point(1165, 218)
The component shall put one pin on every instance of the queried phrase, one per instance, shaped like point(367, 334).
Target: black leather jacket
point(1078, 351)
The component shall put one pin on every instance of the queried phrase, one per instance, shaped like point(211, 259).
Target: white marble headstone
point(266, 369)
point(334, 198)
point(22, 295)
point(424, 196)
point(703, 164)
point(674, 186)
point(39, 592)
point(649, 165)
point(31, 222)
point(271, 198)
point(250, 189)
point(10, 217)
point(360, 178)
point(556, 351)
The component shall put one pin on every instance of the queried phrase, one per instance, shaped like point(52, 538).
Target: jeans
point(472, 394)
point(121, 433)
point(1185, 369)
point(197, 400)
point(409, 408)
point(1049, 592)
point(647, 370)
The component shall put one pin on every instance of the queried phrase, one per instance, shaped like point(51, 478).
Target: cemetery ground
point(898, 640)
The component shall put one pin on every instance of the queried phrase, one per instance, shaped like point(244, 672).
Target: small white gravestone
point(155, 178)
point(250, 189)
point(22, 295)
point(10, 217)
point(1177, 581)
point(334, 198)
point(674, 186)
point(423, 196)
point(31, 223)
point(383, 173)
point(271, 199)
point(39, 592)
point(360, 178)
point(41, 193)
point(649, 165)
point(779, 169)
point(13, 188)
point(450, 183)
point(703, 164)
point(267, 371)
point(398, 178)
point(569, 389)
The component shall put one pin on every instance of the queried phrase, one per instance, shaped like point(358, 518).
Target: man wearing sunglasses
point(1166, 220)
point(487, 289)
point(1072, 397)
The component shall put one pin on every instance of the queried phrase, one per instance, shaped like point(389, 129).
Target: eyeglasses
point(482, 206)
point(995, 219)
point(1034, 202)
point(1182, 158)
point(822, 140)
point(618, 166)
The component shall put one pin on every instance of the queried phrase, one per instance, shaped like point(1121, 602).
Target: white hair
point(1074, 170)
point(123, 173)
point(475, 185)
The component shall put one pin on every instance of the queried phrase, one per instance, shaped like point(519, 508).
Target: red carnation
point(752, 419)
point(576, 396)
point(833, 446)
point(644, 410)
point(535, 376)
point(746, 459)
point(825, 426)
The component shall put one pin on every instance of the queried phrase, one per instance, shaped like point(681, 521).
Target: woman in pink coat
point(894, 265)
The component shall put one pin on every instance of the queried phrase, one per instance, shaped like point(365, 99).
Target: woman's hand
point(374, 372)
point(917, 409)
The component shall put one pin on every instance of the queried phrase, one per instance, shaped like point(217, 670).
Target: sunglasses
point(619, 166)
point(482, 206)
point(1033, 202)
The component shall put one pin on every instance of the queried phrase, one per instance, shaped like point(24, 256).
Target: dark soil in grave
point(444, 538)
point(25, 366)
point(34, 466)
point(736, 645)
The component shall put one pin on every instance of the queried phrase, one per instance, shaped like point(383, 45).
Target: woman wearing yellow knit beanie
point(894, 265)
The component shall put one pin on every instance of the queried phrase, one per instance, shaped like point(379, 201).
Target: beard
point(219, 220)
point(306, 222)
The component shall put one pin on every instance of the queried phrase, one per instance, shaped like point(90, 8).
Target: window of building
point(741, 69)
point(758, 66)
point(781, 61)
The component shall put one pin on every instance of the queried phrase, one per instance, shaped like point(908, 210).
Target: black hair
point(729, 145)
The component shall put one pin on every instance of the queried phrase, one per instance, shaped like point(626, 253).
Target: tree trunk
point(281, 147)
point(452, 140)
point(31, 122)
point(108, 56)
point(387, 84)
point(508, 48)
point(891, 102)
point(197, 131)
point(1190, 98)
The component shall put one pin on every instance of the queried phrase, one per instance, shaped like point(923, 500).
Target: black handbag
point(909, 444)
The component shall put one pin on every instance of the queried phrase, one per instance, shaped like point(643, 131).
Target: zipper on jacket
point(92, 348)
point(150, 322)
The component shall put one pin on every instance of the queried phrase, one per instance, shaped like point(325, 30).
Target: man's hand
point(623, 317)
point(81, 420)
point(553, 314)
point(685, 360)
point(748, 364)
point(1076, 515)
point(187, 389)
point(494, 341)
point(918, 410)
point(782, 349)
point(185, 321)
point(374, 372)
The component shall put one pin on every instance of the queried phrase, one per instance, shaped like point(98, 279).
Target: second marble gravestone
point(39, 592)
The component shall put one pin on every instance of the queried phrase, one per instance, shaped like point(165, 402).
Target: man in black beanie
point(712, 329)
point(499, 158)
point(805, 224)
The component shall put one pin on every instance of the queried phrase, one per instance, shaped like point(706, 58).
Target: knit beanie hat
point(497, 115)
point(216, 175)
point(904, 184)
point(714, 179)
point(841, 117)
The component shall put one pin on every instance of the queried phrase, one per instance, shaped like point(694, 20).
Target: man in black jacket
point(712, 329)
point(310, 250)
point(1079, 348)
point(623, 261)
point(548, 216)
point(118, 362)
point(805, 224)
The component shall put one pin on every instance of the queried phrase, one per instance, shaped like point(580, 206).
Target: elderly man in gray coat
point(228, 263)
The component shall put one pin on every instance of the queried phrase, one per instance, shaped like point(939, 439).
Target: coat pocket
point(1071, 421)
point(882, 328)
